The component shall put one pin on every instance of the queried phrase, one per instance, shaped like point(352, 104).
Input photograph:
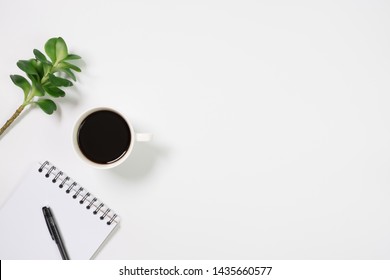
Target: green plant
point(46, 77)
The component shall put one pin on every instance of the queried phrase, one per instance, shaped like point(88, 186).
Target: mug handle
point(143, 137)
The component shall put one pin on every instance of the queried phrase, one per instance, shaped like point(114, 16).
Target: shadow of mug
point(141, 162)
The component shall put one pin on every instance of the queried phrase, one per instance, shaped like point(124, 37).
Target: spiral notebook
point(83, 220)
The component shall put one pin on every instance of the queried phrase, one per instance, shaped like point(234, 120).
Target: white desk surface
point(271, 122)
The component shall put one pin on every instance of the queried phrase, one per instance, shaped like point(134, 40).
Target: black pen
point(54, 232)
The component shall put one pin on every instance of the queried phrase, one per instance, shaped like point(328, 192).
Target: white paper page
point(23, 230)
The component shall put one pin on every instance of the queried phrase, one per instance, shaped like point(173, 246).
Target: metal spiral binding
point(84, 198)
point(79, 191)
point(50, 170)
point(71, 187)
point(105, 214)
point(64, 181)
point(57, 176)
point(91, 203)
point(112, 219)
point(43, 166)
point(98, 208)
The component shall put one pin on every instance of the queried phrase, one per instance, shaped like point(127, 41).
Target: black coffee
point(104, 137)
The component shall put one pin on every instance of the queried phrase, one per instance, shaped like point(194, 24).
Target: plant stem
point(11, 120)
point(26, 102)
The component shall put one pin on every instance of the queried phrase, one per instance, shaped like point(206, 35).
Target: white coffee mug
point(134, 137)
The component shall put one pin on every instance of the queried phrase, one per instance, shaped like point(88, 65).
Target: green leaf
point(22, 83)
point(37, 88)
point(61, 49)
point(59, 82)
point(33, 78)
point(46, 69)
point(72, 57)
point(50, 49)
point(26, 66)
point(54, 91)
point(47, 105)
point(69, 73)
point(41, 57)
point(38, 67)
point(64, 64)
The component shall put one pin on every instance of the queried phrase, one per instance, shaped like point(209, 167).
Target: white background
point(270, 122)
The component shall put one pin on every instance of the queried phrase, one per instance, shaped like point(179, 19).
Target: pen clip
point(47, 218)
